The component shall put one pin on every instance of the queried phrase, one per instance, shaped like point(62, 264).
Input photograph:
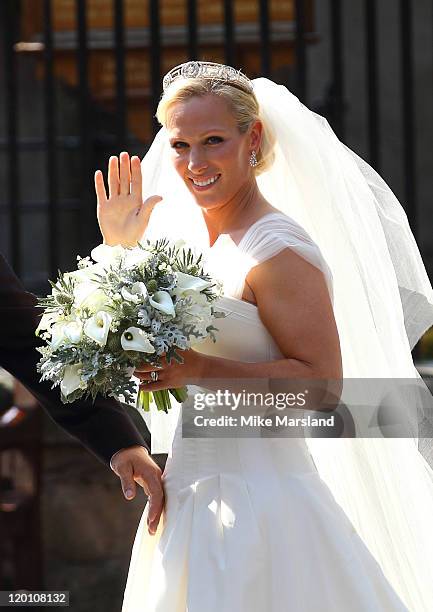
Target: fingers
point(113, 176)
point(149, 204)
point(144, 374)
point(157, 386)
point(134, 466)
point(146, 378)
point(136, 178)
point(147, 367)
point(101, 194)
point(144, 371)
point(124, 178)
point(153, 487)
point(156, 506)
point(128, 483)
point(125, 174)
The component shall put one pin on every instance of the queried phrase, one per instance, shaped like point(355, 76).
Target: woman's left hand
point(173, 375)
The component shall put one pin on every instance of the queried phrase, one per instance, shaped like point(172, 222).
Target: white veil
point(383, 303)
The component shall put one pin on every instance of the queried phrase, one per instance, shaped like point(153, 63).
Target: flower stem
point(161, 398)
point(143, 400)
point(180, 395)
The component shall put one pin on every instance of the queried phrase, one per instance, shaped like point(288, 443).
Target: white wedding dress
point(249, 526)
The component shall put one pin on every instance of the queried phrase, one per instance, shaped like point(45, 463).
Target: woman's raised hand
point(123, 216)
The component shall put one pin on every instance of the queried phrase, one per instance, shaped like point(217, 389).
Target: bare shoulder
point(294, 304)
point(289, 273)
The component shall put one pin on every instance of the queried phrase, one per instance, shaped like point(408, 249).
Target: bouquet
point(127, 307)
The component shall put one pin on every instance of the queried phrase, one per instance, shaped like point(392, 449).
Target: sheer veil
point(383, 303)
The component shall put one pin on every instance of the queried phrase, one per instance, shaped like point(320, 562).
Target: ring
point(154, 376)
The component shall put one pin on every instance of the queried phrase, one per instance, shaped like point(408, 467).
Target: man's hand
point(134, 464)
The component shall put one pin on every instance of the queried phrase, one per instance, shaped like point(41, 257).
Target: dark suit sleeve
point(103, 427)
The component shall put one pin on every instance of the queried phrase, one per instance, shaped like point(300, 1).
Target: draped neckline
point(226, 237)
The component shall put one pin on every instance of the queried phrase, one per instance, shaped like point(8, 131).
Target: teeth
point(204, 183)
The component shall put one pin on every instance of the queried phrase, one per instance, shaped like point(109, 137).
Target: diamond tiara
point(211, 71)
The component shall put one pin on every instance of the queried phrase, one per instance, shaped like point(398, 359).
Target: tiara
point(208, 70)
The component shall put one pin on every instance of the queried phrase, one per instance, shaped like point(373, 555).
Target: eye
point(178, 144)
point(214, 140)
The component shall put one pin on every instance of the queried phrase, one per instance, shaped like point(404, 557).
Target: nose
point(197, 160)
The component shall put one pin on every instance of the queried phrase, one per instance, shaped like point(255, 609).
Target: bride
point(322, 279)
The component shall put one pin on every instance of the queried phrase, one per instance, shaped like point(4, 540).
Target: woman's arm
point(294, 304)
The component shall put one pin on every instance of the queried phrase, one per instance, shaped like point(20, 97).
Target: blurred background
point(80, 81)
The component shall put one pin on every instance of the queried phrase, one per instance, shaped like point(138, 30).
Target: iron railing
point(86, 146)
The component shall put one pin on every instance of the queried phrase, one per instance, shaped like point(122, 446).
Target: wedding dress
point(249, 525)
point(292, 524)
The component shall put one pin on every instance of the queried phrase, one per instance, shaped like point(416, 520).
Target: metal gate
point(47, 200)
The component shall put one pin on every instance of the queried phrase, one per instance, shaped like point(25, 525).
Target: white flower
point(107, 255)
point(161, 300)
point(46, 322)
point(71, 379)
point(73, 331)
point(58, 334)
point(186, 284)
point(110, 255)
point(136, 339)
point(136, 293)
point(89, 295)
point(65, 332)
point(134, 257)
point(87, 290)
point(86, 274)
point(98, 326)
point(199, 311)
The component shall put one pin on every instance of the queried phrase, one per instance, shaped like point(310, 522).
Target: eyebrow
point(207, 133)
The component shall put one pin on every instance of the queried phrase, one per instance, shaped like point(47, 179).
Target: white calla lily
point(97, 327)
point(136, 293)
point(71, 379)
point(187, 283)
point(161, 300)
point(136, 339)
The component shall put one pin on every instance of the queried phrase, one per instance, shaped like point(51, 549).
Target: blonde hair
point(244, 105)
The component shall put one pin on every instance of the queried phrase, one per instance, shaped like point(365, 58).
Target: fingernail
point(128, 493)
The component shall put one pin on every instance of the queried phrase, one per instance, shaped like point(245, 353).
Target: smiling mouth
point(205, 183)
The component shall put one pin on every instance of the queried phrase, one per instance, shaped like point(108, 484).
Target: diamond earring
point(253, 159)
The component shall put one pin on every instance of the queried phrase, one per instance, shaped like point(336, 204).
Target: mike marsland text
point(259, 421)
